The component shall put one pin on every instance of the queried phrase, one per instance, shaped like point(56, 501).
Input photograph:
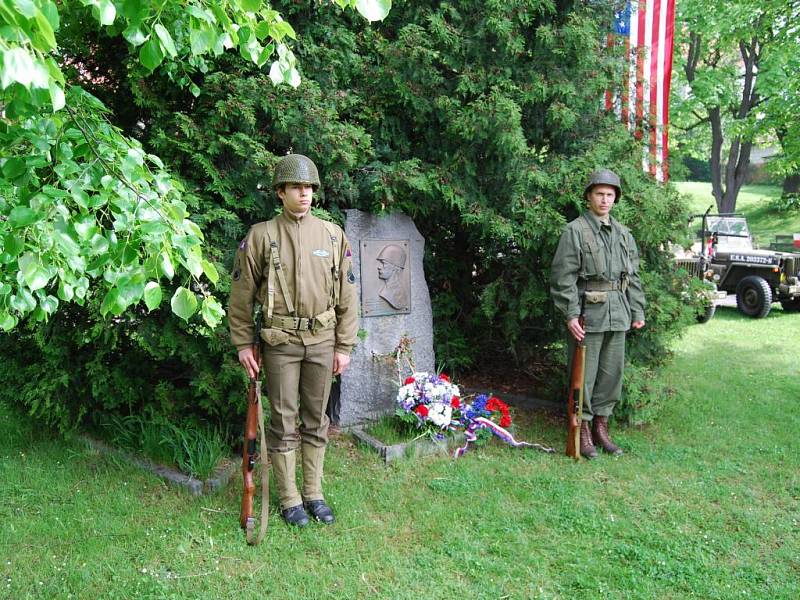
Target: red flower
point(409, 380)
point(455, 402)
point(494, 404)
point(444, 377)
point(421, 410)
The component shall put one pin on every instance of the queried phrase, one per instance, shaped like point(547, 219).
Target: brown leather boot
point(587, 447)
point(600, 436)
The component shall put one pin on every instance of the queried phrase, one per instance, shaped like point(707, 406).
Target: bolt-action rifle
point(254, 422)
point(575, 397)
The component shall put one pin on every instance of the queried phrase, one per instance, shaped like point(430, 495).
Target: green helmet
point(604, 177)
point(296, 168)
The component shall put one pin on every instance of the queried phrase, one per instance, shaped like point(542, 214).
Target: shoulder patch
point(350, 277)
point(348, 253)
point(243, 245)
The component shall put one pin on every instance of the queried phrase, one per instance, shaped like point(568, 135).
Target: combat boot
point(313, 500)
point(587, 447)
point(284, 466)
point(600, 436)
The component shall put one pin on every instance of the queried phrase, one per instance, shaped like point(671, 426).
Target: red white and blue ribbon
point(470, 435)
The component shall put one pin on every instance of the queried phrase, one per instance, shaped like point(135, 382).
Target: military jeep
point(757, 277)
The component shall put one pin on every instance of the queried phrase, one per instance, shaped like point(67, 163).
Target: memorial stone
point(394, 303)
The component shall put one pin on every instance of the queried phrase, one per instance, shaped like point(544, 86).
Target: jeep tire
point(706, 313)
point(754, 297)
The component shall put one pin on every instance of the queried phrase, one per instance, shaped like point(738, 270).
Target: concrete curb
point(196, 487)
point(415, 449)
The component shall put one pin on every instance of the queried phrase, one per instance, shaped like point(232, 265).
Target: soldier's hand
point(247, 358)
point(340, 362)
point(637, 324)
point(574, 327)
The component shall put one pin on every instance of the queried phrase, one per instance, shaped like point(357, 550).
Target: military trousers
point(298, 384)
point(605, 361)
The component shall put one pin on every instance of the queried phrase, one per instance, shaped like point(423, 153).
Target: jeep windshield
point(732, 232)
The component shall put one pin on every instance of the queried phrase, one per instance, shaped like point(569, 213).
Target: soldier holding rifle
point(299, 269)
point(596, 265)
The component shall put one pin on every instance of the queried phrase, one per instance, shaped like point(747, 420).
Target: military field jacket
point(306, 256)
point(577, 265)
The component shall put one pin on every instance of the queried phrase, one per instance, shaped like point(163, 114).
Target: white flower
point(439, 414)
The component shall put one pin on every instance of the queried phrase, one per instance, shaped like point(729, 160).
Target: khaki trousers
point(298, 384)
point(605, 361)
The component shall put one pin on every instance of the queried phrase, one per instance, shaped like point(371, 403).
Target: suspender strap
point(599, 257)
point(334, 299)
point(275, 267)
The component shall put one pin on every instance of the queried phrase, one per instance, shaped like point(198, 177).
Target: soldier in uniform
point(299, 269)
point(595, 272)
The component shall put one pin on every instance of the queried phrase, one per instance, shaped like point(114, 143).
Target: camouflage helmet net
point(295, 168)
point(604, 177)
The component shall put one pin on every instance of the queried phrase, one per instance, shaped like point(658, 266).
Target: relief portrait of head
point(391, 262)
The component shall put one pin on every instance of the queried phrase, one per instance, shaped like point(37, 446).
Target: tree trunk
point(716, 155)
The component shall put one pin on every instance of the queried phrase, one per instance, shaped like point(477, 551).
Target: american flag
point(646, 28)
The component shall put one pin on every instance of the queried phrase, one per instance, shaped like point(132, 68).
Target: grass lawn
point(704, 505)
point(754, 203)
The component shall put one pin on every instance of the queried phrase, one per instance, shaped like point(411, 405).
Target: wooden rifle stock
point(254, 421)
point(249, 452)
point(575, 398)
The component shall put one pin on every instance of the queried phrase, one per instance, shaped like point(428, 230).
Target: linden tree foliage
point(84, 209)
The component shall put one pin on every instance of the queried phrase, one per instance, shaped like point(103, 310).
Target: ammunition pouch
point(596, 297)
point(321, 322)
point(274, 337)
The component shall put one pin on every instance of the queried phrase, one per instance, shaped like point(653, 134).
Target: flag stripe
point(642, 102)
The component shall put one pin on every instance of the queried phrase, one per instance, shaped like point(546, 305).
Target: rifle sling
point(264, 480)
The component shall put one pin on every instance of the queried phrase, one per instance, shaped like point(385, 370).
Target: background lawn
point(704, 505)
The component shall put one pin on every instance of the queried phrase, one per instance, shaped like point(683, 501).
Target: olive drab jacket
point(324, 302)
point(602, 263)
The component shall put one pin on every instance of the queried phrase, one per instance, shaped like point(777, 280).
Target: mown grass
point(755, 202)
point(704, 505)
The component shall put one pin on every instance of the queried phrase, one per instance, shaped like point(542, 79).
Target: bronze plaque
point(385, 277)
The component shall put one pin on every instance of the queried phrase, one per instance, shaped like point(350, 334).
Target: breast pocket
point(593, 263)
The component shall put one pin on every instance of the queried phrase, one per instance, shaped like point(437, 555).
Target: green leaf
point(201, 40)
point(374, 10)
point(251, 5)
point(184, 303)
point(45, 30)
point(165, 265)
point(33, 273)
point(22, 216)
point(99, 244)
point(109, 301)
point(56, 96)
point(13, 245)
point(212, 311)
point(210, 270)
point(152, 295)
point(7, 321)
point(107, 12)
point(17, 67)
point(134, 35)
point(26, 8)
point(14, 167)
point(150, 54)
point(166, 40)
point(49, 304)
point(65, 291)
